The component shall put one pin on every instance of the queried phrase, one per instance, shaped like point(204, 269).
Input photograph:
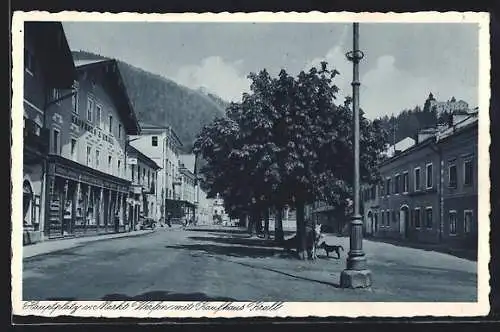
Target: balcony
point(36, 139)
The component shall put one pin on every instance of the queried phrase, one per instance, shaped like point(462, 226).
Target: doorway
point(403, 221)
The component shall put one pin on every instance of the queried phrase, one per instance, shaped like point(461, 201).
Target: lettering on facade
point(91, 129)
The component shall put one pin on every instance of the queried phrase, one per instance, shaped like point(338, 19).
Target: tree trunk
point(279, 235)
point(301, 231)
point(250, 225)
point(266, 224)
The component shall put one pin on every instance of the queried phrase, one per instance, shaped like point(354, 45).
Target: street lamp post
point(356, 274)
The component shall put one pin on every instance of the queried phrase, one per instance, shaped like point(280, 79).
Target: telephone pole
point(356, 274)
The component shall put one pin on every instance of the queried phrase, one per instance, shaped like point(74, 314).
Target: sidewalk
point(51, 246)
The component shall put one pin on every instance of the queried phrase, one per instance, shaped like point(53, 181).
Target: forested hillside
point(159, 100)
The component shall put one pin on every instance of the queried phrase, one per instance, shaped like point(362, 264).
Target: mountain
point(159, 100)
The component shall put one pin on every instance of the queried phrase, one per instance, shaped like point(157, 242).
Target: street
point(227, 265)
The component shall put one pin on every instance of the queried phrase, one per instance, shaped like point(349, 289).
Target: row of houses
point(429, 192)
point(89, 165)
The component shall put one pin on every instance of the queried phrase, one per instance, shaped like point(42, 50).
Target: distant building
point(429, 191)
point(49, 75)
point(219, 212)
point(143, 174)
point(162, 145)
point(204, 208)
point(449, 106)
point(188, 184)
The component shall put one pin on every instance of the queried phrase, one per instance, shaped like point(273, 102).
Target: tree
point(293, 145)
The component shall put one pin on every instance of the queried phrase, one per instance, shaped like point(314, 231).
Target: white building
point(162, 145)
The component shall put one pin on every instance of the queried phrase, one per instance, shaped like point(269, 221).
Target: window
point(119, 131)
point(468, 172)
point(110, 164)
point(388, 186)
point(73, 149)
point(394, 216)
point(119, 167)
point(452, 218)
point(56, 142)
point(452, 175)
point(56, 95)
point(416, 218)
point(387, 217)
point(428, 219)
point(405, 182)
point(98, 115)
point(74, 101)
point(132, 168)
point(89, 156)
point(154, 140)
point(29, 62)
point(467, 221)
point(417, 179)
point(97, 157)
point(397, 181)
point(90, 109)
point(428, 175)
point(372, 192)
point(381, 189)
point(110, 124)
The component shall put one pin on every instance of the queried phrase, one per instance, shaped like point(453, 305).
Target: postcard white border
point(288, 309)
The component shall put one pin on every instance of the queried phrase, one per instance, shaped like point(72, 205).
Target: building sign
point(91, 129)
point(132, 161)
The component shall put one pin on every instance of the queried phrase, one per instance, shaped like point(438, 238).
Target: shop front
point(83, 201)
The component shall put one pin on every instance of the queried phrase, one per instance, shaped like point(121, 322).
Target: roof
point(438, 136)
point(119, 91)
point(468, 122)
point(402, 145)
point(148, 128)
point(53, 52)
point(150, 162)
point(84, 62)
point(189, 161)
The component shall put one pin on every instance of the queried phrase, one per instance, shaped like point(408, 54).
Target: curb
point(82, 242)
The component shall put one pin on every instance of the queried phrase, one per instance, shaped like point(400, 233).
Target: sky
point(403, 61)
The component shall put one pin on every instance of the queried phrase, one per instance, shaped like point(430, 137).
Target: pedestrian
point(169, 219)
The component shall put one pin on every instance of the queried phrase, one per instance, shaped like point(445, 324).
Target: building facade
point(428, 192)
point(188, 185)
point(49, 74)
point(142, 201)
point(162, 145)
point(459, 198)
point(87, 183)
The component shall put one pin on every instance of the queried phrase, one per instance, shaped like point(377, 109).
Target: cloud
point(386, 89)
point(217, 76)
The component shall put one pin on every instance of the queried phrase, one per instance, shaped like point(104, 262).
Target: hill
point(159, 100)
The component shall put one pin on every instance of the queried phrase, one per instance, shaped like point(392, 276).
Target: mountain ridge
point(158, 99)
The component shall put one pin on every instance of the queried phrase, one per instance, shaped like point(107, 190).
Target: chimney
point(425, 134)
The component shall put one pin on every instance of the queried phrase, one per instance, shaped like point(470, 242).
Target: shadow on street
point(240, 240)
point(336, 285)
point(232, 251)
point(165, 296)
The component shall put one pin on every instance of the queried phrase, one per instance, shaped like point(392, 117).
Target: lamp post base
point(355, 278)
